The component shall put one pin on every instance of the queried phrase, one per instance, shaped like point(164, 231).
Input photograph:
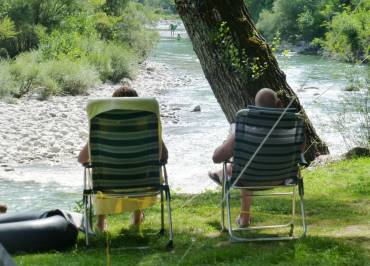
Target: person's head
point(267, 98)
point(125, 91)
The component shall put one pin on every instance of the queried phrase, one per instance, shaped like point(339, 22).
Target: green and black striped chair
point(267, 155)
point(125, 142)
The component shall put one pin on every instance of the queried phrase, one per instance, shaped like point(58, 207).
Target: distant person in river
point(3, 208)
point(264, 98)
point(104, 204)
point(173, 28)
point(179, 37)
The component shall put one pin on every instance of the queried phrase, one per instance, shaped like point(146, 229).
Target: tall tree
point(236, 60)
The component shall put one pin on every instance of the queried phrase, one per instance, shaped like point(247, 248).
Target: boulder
point(196, 109)
point(357, 152)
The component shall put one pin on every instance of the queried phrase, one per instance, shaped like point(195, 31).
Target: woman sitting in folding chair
point(103, 204)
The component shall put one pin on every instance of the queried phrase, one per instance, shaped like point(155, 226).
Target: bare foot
point(3, 208)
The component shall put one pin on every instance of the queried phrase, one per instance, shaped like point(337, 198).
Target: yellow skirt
point(105, 204)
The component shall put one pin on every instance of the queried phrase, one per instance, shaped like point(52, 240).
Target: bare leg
point(137, 217)
point(101, 223)
point(245, 205)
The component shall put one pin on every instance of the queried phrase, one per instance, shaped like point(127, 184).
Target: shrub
point(7, 84)
point(71, 77)
point(348, 37)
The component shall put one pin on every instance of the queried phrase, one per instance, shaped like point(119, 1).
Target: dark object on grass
point(38, 231)
point(358, 152)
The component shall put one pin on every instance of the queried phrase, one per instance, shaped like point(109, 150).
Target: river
point(191, 139)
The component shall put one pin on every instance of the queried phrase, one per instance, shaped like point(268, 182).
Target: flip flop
point(215, 178)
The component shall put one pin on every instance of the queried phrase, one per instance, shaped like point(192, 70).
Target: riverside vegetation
point(337, 205)
point(53, 47)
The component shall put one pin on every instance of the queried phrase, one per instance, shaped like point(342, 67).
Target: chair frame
point(226, 188)
point(164, 191)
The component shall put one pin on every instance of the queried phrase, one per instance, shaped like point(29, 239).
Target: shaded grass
point(338, 217)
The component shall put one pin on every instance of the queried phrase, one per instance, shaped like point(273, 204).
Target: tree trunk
point(236, 60)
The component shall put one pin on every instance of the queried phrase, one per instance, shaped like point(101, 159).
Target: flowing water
point(193, 138)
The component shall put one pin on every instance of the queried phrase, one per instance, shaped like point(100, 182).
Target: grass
point(338, 214)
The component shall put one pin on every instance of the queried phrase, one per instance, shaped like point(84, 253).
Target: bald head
point(267, 98)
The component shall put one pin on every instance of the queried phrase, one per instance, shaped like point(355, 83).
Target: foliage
point(250, 66)
point(256, 7)
point(7, 29)
point(337, 205)
point(294, 19)
point(349, 35)
point(130, 30)
point(65, 46)
point(339, 27)
point(7, 85)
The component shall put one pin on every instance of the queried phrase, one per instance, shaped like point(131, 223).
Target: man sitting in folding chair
point(124, 158)
point(273, 164)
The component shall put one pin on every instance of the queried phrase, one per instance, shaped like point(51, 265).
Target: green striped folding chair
point(267, 155)
point(125, 142)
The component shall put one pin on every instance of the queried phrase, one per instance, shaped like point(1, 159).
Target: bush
point(113, 61)
point(349, 35)
point(71, 77)
point(7, 84)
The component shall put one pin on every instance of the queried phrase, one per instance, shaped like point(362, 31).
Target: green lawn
point(338, 214)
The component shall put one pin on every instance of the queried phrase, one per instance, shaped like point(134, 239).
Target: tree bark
point(237, 61)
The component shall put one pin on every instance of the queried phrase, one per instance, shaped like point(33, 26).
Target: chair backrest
point(278, 158)
point(125, 144)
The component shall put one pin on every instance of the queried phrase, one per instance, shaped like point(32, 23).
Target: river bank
point(56, 129)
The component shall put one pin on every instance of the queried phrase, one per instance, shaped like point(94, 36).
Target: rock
point(126, 81)
point(52, 114)
point(357, 152)
point(150, 69)
point(196, 109)
point(9, 169)
point(323, 160)
point(64, 116)
point(54, 149)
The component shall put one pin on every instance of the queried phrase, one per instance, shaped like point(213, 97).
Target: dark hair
point(125, 91)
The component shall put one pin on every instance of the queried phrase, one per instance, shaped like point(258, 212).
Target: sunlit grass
point(338, 215)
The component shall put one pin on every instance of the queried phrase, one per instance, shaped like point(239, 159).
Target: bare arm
point(83, 157)
point(225, 151)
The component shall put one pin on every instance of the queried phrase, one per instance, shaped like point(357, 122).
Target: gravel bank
point(56, 129)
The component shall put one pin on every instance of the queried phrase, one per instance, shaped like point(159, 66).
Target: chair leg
point(86, 219)
point(161, 232)
point(303, 216)
point(168, 199)
point(222, 199)
point(230, 229)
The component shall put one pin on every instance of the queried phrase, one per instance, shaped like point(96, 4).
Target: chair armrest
point(162, 162)
point(302, 160)
point(87, 165)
